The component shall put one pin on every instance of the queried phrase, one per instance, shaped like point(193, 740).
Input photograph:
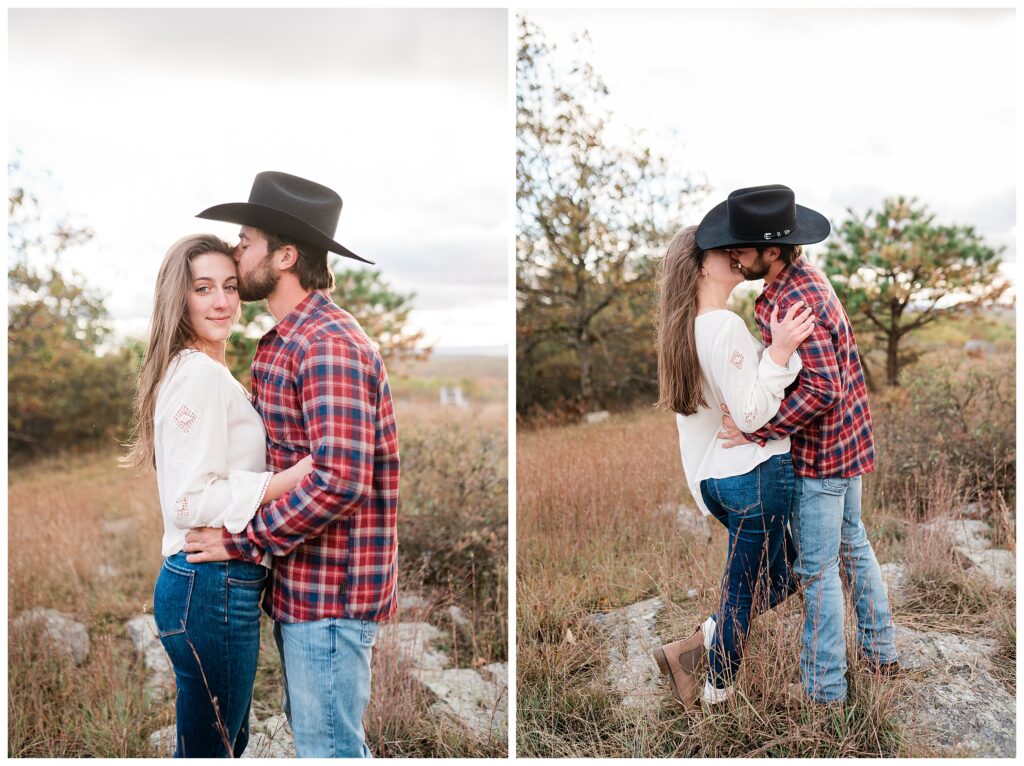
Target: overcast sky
point(846, 107)
point(146, 117)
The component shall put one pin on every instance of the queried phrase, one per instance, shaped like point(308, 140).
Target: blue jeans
point(758, 575)
point(326, 667)
point(829, 533)
point(208, 616)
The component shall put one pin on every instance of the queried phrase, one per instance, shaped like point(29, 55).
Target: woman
point(195, 425)
point(708, 363)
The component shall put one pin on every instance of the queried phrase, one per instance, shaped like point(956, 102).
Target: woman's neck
point(216, 351)
point(713, 297)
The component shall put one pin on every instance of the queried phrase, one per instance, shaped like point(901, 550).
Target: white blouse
point(210, 445)
point(735, 372)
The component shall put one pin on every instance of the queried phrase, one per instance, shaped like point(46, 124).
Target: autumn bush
point(454, 518)
point(954, 417)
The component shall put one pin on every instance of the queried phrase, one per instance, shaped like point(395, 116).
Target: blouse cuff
point(247, 491)
point(791, 369)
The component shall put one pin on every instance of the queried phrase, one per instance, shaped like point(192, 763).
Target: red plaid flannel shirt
point(320, 386)
point(826, 411)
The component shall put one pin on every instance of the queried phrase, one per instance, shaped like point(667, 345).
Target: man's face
point(256, 276)
point(752, 264)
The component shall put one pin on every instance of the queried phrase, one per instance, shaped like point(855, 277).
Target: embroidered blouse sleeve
point(194, 436)
point(753, 388)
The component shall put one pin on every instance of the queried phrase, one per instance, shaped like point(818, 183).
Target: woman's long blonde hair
point(679, 381)
point(170, 331)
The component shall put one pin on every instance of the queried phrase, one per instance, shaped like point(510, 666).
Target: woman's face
point(213, 305)
point(721, 269)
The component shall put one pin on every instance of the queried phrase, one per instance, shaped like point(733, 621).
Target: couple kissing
point(775, 437)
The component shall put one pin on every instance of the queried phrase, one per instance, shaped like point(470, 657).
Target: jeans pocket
point(171, 599)
point(835, 486)
point(739, 494)
point(368, 632)
point(255, 583)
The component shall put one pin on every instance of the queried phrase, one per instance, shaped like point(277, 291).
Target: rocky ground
point(950, 698)
point(475, 699)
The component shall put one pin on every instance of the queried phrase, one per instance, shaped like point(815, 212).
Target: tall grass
point(71, 514)
point(595, 533)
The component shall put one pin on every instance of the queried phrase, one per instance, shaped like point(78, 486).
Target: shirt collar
point(773, 289)
point(305, 309)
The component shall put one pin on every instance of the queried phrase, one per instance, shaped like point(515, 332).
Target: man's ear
point(286, 257)
point(772, 254)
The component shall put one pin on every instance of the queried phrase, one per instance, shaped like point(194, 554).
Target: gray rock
point(458, 616)
point(954, 700)
point(413, 602)
point(497, 671)
point(162, 741)
point(464, 696)
point(894, 575)
point(974, 510)
point(998, 565)
point(145, 639)
point(270, 739)
point(970, 538)
point(632, 671)
point(597, 417)
point(469, 699)
point(60, 630)
point(693, 521)
point(415, 642)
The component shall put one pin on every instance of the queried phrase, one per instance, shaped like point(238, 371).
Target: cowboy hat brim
point(713, 232)
point(277, 222)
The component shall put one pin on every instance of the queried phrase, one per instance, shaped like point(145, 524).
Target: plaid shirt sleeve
point(337, 385)
point(818, 386)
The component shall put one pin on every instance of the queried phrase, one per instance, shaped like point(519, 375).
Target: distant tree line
point(594, 218)
point(70, 383)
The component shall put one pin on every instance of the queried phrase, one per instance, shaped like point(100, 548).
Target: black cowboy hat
point(761, 215)
point(288, 206)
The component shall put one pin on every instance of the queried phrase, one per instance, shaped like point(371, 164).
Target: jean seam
point(333, 674)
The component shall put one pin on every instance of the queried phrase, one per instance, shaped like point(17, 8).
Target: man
point(320, 385)
point(827, 417)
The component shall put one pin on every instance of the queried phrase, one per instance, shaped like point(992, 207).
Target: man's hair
point(311, 267)
point(788, 253)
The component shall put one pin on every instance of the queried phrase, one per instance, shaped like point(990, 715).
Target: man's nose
point(237, 252)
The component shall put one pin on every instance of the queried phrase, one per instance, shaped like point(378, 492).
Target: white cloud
point(147, 117)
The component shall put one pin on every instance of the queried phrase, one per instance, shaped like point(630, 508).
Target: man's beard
point(258, 283)
point(758, 270)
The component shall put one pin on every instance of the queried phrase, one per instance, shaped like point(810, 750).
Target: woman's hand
point(789, 332)
point(304, 467)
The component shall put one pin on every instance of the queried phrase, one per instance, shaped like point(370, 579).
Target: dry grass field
point(72, 514)
point(591, 536)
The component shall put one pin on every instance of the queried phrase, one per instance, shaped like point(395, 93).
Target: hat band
point(765, 235)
